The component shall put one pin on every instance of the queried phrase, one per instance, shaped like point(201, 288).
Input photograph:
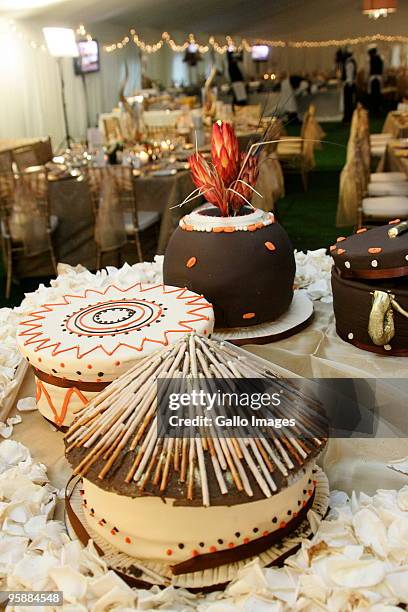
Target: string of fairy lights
point(244, 44)
point(227, 42)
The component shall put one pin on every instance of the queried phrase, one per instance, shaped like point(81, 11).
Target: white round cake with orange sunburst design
point(81, 343)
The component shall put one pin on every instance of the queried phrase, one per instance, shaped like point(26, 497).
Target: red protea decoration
point(229, 181)
point(225, 151)
point(206, 179)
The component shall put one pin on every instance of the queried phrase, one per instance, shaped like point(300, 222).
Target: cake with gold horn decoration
point(370, 288)
point(239, 257)
point(193, 508)
point(78, 344)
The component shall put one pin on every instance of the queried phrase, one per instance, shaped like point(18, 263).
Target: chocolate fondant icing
point(246, 275)
point(372, 254)
point(352, 302)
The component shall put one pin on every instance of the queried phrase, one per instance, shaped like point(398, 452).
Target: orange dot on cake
point(394, 221)
point(191, 262)
point(340, 239)
point(375, 250)
point(270, 246)
point(361, 230)
point(248, 315)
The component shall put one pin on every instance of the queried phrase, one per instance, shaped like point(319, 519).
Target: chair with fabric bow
point(354, 207)
point(27, 225)
point(296, 153)
point(118, 221)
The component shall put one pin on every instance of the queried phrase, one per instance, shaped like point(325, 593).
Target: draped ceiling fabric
point(30, 102)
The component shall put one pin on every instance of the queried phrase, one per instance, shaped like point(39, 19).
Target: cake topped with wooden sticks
point(191, 502)
point(81, 342)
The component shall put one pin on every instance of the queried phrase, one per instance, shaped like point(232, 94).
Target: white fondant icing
point(57, 395)
point(96, 335)
point(205, 223)
point(153, 528)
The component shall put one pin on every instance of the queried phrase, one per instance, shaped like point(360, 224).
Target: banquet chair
point(356, 207)
point(6, 161)
point(270, 183)
point(112, 129)
point(43, 151)
point(25, 157)
point(161, 124)
point(296, 153)
point(130, 221)
point(249, 114)
point(27, 225)
point(378, 184)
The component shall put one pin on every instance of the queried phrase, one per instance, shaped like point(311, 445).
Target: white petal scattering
point(10, 356)
point(76, 278)
point(358, 559)
point(313, 272)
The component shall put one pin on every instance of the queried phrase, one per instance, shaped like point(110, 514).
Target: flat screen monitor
point(260, 53)
point(88, 58)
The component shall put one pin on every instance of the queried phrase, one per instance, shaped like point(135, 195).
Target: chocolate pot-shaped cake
point(238, 257)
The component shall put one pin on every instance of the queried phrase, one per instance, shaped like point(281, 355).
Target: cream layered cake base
point(160, 529)
point(80, 344)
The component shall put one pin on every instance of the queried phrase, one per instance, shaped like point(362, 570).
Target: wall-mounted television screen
point(260, 53)
point(88, 58)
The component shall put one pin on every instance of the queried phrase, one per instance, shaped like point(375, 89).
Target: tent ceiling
point(287, 19)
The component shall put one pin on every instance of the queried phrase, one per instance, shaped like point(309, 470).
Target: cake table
point(351, 464)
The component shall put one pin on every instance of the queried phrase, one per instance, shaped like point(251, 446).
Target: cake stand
point(145, 574)
point(299, 316)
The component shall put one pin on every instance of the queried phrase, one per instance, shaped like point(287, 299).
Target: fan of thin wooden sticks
point(115, 436)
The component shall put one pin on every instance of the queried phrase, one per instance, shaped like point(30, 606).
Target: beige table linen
point(74, 236)
point(315, 352)
point(392, 162)
point(396, 124)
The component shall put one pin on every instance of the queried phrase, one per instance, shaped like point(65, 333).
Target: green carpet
point(309, 217)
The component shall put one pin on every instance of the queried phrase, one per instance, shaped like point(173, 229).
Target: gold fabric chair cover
point(26, 218)
point(270, 184)
point(106, 185)
point(351, 192)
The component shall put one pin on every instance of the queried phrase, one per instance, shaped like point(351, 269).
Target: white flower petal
point(354, 574)
point(370, 531)
point(70, 582)
point(26, 404)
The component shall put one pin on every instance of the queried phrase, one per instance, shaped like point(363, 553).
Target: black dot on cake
point(100, 374)
point(237, 534)
point(79, 373)
point(201, 544)
point(255, 530)
point(289, 512)
point(275, 519)
point(181, 546)
point(220, 541)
